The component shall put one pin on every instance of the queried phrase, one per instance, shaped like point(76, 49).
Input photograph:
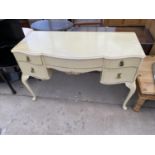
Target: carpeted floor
point(69, 104)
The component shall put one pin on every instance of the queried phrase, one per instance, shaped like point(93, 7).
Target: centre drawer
point(69, 63)
point(119, 75)
point(119, 63)
point(33, 70)
point(28, 58)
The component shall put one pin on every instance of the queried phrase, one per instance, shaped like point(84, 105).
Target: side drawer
point(28, 58)
point(121, 75)
point(119, 63)
point(69, 63)
point(33, 70)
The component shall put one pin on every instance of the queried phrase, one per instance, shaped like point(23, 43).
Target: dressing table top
point(81, 45)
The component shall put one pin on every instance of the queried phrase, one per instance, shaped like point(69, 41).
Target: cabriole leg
point(132, 87)
point(25, 82)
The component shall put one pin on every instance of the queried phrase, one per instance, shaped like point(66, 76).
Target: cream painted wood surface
point(116, 55)
point(118, 63)
point(33, 70)
point(68, 63)
point(30, 59)
point(119, 75)
point(81, 45)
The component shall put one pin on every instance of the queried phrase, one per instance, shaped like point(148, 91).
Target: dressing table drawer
point(28, 58)
point(119, 63)
point(75, 64)
point(120, 75)
point(33, 70)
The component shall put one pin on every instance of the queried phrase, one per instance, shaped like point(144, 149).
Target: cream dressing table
point(116, 55)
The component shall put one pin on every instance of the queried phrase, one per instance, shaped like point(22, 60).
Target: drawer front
point(114, 76)
point(27, 58)
point(36, 71)
point(119, 63)
point(67, 63)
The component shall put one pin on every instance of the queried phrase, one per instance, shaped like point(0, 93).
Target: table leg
point(132, 87)
point(25, 82)
point(139, 103)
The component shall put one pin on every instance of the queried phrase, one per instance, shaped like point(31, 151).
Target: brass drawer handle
point(121, 63)
point(119, 75)
point(27, 59)
point(32, 70)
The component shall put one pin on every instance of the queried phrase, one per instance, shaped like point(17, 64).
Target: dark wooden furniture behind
point(145, 83)
point(124, 22)
point(24, 23)
point(143, 34)
point(88, 22)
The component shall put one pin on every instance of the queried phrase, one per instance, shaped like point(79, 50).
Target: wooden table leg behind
point(139, 103)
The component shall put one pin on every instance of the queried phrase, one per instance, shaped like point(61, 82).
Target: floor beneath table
point(69, 104)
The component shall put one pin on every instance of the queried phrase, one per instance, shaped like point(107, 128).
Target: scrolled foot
point(125, 107)
point(34, 98)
